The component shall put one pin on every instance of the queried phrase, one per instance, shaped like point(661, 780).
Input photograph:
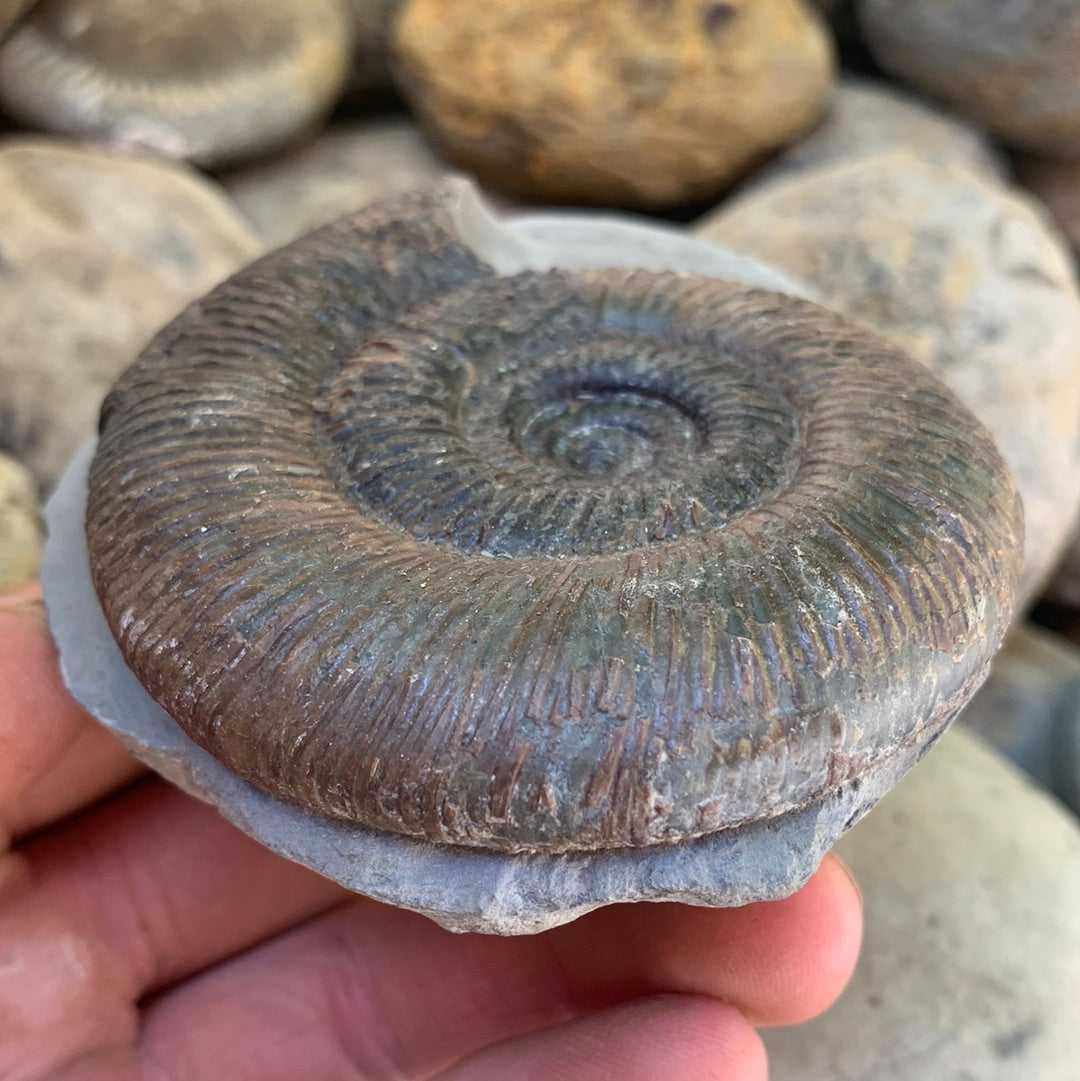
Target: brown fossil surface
point(547, 562)
point(208, 80)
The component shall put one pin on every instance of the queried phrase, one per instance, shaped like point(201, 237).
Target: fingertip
point(658, 1038)
point(826, 915)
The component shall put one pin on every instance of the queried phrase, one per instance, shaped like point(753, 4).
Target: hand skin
point(142, 938)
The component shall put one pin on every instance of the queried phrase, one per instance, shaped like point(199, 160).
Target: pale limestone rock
point(970, 968)
point(965, 275)
point(99, 251)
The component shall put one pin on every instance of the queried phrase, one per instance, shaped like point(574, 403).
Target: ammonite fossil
point(556, 564)
point(208, 81)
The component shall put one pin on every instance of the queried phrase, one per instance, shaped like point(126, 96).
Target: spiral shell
point(206, 80)
point(542, 562)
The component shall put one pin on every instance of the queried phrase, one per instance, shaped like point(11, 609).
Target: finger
point(167, 886)
point(392, 994)
point(665, 1038)
point(138, 892)
point(672, 1038)
point(364, 990)
point(779, 962)
point(43, 733)
point(95, 765)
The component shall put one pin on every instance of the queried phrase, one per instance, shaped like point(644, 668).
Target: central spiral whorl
point(614, 431)
point(547, 419)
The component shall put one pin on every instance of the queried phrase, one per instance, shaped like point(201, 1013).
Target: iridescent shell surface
point(542, 562)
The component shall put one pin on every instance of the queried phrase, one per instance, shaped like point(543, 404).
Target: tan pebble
point(344, 169)
point(98, 251)
point(207, 80)
point(1011, 67)
point(966, 276)
point(644, 103)
point(21, 534)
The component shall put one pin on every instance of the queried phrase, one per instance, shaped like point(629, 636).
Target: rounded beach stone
point(208, 80)
point(1011, 67)
point(626, 103)
point(964, 275)
point(867, 117)
point(970, 964)
point(22, 536)
point(343, 169)
point(98, 251)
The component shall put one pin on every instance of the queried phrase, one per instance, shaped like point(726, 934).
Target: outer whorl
point(543, 562)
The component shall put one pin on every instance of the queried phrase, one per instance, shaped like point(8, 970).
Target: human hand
point(142, 938)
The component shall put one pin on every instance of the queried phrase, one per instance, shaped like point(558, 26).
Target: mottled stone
point(966, 276)
point(208, 81)
point(1011, 67)
point(970, 967)
point(628, 103)
point(867, 117)
point(22, 535)
point(1029, 708)
point(98, 251)
point(344, 168)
